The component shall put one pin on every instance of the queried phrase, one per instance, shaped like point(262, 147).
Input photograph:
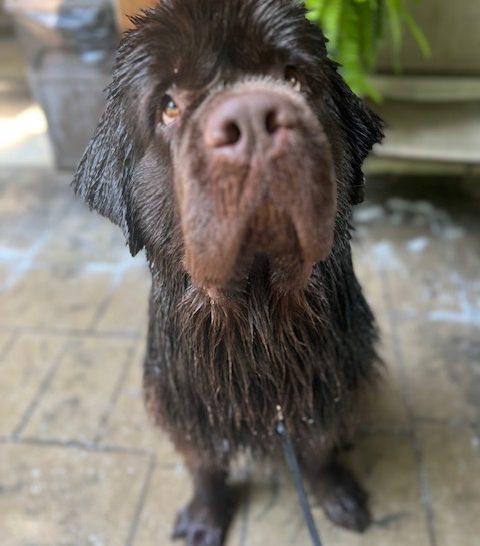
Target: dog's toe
point(342, 498)
point(203, 535)
point(198, 528)
point(348, 508)
point(180, 528)
point(197, 534)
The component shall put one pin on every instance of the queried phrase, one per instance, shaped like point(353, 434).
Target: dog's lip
point(260, 266)
point(281, 237)
point(245, 270)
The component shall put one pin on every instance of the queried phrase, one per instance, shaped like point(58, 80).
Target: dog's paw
point(199, 528)
point(343, 500)
point(347, 507)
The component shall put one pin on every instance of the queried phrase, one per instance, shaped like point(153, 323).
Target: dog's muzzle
point(255, 176)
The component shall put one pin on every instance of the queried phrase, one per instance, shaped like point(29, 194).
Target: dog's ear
point(103, 177)
point(362, 127)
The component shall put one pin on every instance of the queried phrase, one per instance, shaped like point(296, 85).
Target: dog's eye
point(292, 78)
point(170, 110)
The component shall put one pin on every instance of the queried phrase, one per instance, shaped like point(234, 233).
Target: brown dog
point(231, 150)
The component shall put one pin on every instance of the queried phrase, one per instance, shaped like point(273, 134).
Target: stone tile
point(442, 362)
point(384, 404)
point(29, 211)
point(169, 491)
point(386, 466)
point(32, 150)
point(5, 273)
point(22, 372)
point(56, 297)
point(273, 514)
point(5, 340)
point(31, 205)
point(65, 497)
point(59, 264)
point(12, 67)
point(370, 278)
point(430, 259)
point(80, 395)
point(428, 249)
point(127, 310)
point(441, 282)
point(129, 424)
point(452, 461)
point(85, 237)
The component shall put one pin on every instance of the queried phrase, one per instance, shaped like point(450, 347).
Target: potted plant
point(355, 29)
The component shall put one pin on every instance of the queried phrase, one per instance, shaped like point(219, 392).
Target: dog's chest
point(225, 381)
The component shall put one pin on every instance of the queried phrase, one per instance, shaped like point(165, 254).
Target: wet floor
point(79, 463)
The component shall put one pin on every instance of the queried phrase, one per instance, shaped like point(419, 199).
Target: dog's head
point(229, 141)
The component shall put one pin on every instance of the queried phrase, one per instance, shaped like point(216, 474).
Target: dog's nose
point(242, 123)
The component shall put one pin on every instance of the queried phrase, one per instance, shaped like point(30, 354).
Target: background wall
point(452, 28)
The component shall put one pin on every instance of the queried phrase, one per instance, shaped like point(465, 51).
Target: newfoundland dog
point(231, 150)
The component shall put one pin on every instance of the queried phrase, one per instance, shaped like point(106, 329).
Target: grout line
point(385, 430)
point(44, 384)
point(406, 430)
point(141, 502)
point(87, 447)
point(76, 445)
point(426, 498)
point(106, 416)
point(428, 421)
point(73, 333)
point(9, 345)
point(102, 308)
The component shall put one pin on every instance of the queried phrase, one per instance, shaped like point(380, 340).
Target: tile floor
point(79, 463)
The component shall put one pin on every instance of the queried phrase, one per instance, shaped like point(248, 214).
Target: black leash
point(297, 477)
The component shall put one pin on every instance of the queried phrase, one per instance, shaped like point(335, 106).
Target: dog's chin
point(279, 275)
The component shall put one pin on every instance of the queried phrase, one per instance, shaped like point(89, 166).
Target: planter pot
point(69, 47)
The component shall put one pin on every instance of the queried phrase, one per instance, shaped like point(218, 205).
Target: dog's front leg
point(342, 498)
point(206, 518)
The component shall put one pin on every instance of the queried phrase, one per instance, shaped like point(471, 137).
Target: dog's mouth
point(270, 251)
point(261, 191)
point(261, 270)
point(273, 244)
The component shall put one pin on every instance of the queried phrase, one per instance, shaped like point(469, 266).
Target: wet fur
point(236, 360)
point(215, 371)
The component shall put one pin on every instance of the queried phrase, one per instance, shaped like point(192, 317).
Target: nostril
point(271, 122)
point(223, 134)
point(232, 134)
point(278, 118)
point(240, 124)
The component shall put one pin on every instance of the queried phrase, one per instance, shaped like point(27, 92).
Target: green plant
point(355, 28)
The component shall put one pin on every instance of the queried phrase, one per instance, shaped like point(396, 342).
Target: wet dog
point(231, 150)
